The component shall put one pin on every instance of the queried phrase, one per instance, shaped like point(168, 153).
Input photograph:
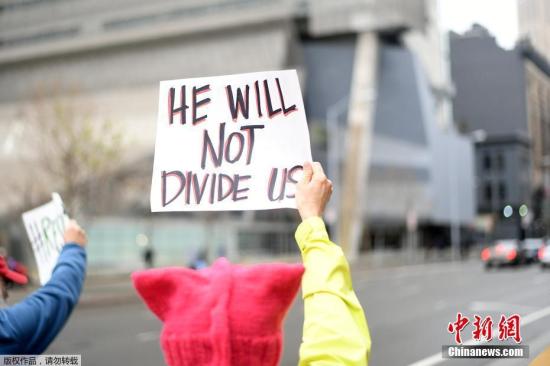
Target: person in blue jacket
point(29, 326)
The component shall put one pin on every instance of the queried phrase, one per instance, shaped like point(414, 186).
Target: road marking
point(148, 336)
point(410, 290)
point(403, 272)
point(533, 317)
point(536, 346)
point(440, 305)
point(437, 358)
point(406, 267)
point(500, 306)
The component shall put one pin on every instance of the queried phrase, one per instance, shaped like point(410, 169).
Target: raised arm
point(31, 325)
point(335, 328)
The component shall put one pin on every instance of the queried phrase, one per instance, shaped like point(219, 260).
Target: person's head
point(8, 275)
point(223, 315)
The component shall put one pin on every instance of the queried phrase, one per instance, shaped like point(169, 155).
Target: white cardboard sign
point(45, 226)
point(235, 142)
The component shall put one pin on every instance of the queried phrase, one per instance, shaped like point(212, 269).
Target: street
point(138, 134)
point(408, 309)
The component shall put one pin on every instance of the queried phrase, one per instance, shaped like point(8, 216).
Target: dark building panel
point(329, 65)
point(490, 86)
point(398, 106)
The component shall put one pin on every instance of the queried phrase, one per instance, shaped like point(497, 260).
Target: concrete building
point(421, 169)
point(116, 52)
point(537, 78)
point(501, 96)
point(534, 24)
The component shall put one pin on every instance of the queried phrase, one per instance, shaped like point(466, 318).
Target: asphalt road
point(408, 309)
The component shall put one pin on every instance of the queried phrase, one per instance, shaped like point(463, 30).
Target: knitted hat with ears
point(224, 315)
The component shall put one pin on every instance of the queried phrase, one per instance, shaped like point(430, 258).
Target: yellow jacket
point(335, 328)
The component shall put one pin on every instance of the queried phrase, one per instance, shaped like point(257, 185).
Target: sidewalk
point(387, 259)
point(99, 290)
point(107, 289)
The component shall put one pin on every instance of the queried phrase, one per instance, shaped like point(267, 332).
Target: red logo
point(508, 327)
point(457, 327)
point(483, 328)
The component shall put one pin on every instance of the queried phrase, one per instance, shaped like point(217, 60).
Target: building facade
point(534, 24)
point(116, 52)
point(500, 96)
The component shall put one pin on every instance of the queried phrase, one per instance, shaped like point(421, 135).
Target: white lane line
point(148, 336)
point(407, 268)
point(440, 305)
point(500, 306)
point(432, 360)
point(437, 358)
point(402, 273)
point(533, 317)
point(536, 346)
point(408, 291)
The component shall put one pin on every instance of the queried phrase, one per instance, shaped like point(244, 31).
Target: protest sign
point(235, 142)
point(45, 226)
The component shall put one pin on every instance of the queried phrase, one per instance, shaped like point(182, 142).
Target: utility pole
point(359, 135)
point(333, 132)
point(453, 196)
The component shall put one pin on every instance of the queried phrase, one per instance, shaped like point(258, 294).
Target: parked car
point(503, 252)
point(544, 255)
point(17, 267)
point(531, 248)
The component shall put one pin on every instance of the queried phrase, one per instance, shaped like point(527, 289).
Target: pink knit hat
point(224, 315)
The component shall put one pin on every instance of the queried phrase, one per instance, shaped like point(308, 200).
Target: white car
point(531, 247)
point(544, 255)
point(502, 252)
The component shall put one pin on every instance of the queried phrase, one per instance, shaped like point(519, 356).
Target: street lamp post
point(454, 204)
point(333, 156)
point(477, 136)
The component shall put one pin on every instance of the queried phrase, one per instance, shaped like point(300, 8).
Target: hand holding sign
point(313, 191)
point(45, 226)
point(75, 234)
point(232, 142)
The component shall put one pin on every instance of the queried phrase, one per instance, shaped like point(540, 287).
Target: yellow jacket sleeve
point(335, 329)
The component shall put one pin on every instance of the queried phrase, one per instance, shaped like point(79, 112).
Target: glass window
point(488, 192)
point(486, 162)
point(502, 191)
point(500, 161)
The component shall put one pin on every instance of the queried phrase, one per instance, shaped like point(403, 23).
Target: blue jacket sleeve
point(31, 325)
